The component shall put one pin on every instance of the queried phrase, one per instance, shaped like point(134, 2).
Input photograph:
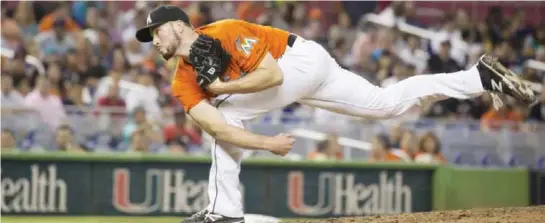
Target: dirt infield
point(496, 215)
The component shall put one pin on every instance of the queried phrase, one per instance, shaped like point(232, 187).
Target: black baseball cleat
point(496, 78)
point(215, 218)
point(197, 217)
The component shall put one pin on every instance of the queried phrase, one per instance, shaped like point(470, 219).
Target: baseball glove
point(209, 59)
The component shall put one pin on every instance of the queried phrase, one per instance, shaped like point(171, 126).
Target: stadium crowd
point(86, 63)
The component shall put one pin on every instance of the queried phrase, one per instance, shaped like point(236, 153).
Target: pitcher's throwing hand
point(281, 144)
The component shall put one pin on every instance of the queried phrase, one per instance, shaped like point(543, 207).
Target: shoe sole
point(520, 90)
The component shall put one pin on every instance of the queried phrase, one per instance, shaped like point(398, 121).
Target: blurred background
point(75, 79)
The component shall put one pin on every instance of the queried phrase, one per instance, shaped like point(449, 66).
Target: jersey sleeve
point(250, 46)
point(185, 88)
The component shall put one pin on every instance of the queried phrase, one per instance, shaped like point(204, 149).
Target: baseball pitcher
point(231, 71)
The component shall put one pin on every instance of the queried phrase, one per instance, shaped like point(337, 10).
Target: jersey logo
point(245, 44)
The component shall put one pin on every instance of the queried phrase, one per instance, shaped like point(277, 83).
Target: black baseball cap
point(159, 16)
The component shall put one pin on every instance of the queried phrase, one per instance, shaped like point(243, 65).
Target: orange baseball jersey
point(247, 43)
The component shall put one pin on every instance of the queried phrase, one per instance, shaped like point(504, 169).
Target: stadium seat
point(519, 148)
point(464, 158)
point(492, 159)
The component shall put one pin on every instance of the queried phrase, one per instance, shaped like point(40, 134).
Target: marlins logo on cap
point(148, 21)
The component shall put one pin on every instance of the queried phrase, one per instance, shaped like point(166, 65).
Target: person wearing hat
point(230, 71)
point(55, 42)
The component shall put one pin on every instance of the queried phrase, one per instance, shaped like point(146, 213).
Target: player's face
point(165, 40)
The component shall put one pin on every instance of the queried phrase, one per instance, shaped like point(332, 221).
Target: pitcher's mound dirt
point(533, 214)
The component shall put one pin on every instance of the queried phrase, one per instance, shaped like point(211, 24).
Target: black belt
point(291, 40)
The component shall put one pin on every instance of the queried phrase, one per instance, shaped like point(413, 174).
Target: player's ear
point(180, 25)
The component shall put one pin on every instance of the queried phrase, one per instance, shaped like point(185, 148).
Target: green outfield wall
point(134, 184)
point(463, 188)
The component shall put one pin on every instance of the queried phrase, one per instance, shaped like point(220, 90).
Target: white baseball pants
point(313, 77)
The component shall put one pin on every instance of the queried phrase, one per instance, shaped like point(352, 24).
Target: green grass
point(89, 219)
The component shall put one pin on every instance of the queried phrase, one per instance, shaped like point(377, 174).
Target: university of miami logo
point(122, 192)
point(340, 194)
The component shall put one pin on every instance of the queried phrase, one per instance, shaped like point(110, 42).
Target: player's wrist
point(268, 144)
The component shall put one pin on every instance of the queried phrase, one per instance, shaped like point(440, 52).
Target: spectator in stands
point(395, 135)
point(328, 149)
point(65, 140)
point(105, 82)
point(145, 95)
point(127, 20)
point(91, 31)
point(21, 70)
point(381, 150)
point(104, 49)
point(414, 55)
point(138, 142)
point(56, 83)
point(140, 124)
point(314, 29)
point(75, 65)
point(119, 61)
point(343, 35)
point(408, 146)
point(180, 135)
point(112, 102)
point(74, 100)
point(48, 105)
point(505, 54)
point(337, 46)
point(135, 52)
point(130, 20)
point(249, 11)
point(53, 44)
point(506, 116)
point(448, 31)
point(91, 86)
point(12, 101)
point(411, 17)
point(142, 142)
point(442, 62)
point(23, 86)
point(385, 63)
point(365, 43)
point(385, 43)
point(8, 142)
point(62, 12)
point(11, 34)
point(430, 150)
